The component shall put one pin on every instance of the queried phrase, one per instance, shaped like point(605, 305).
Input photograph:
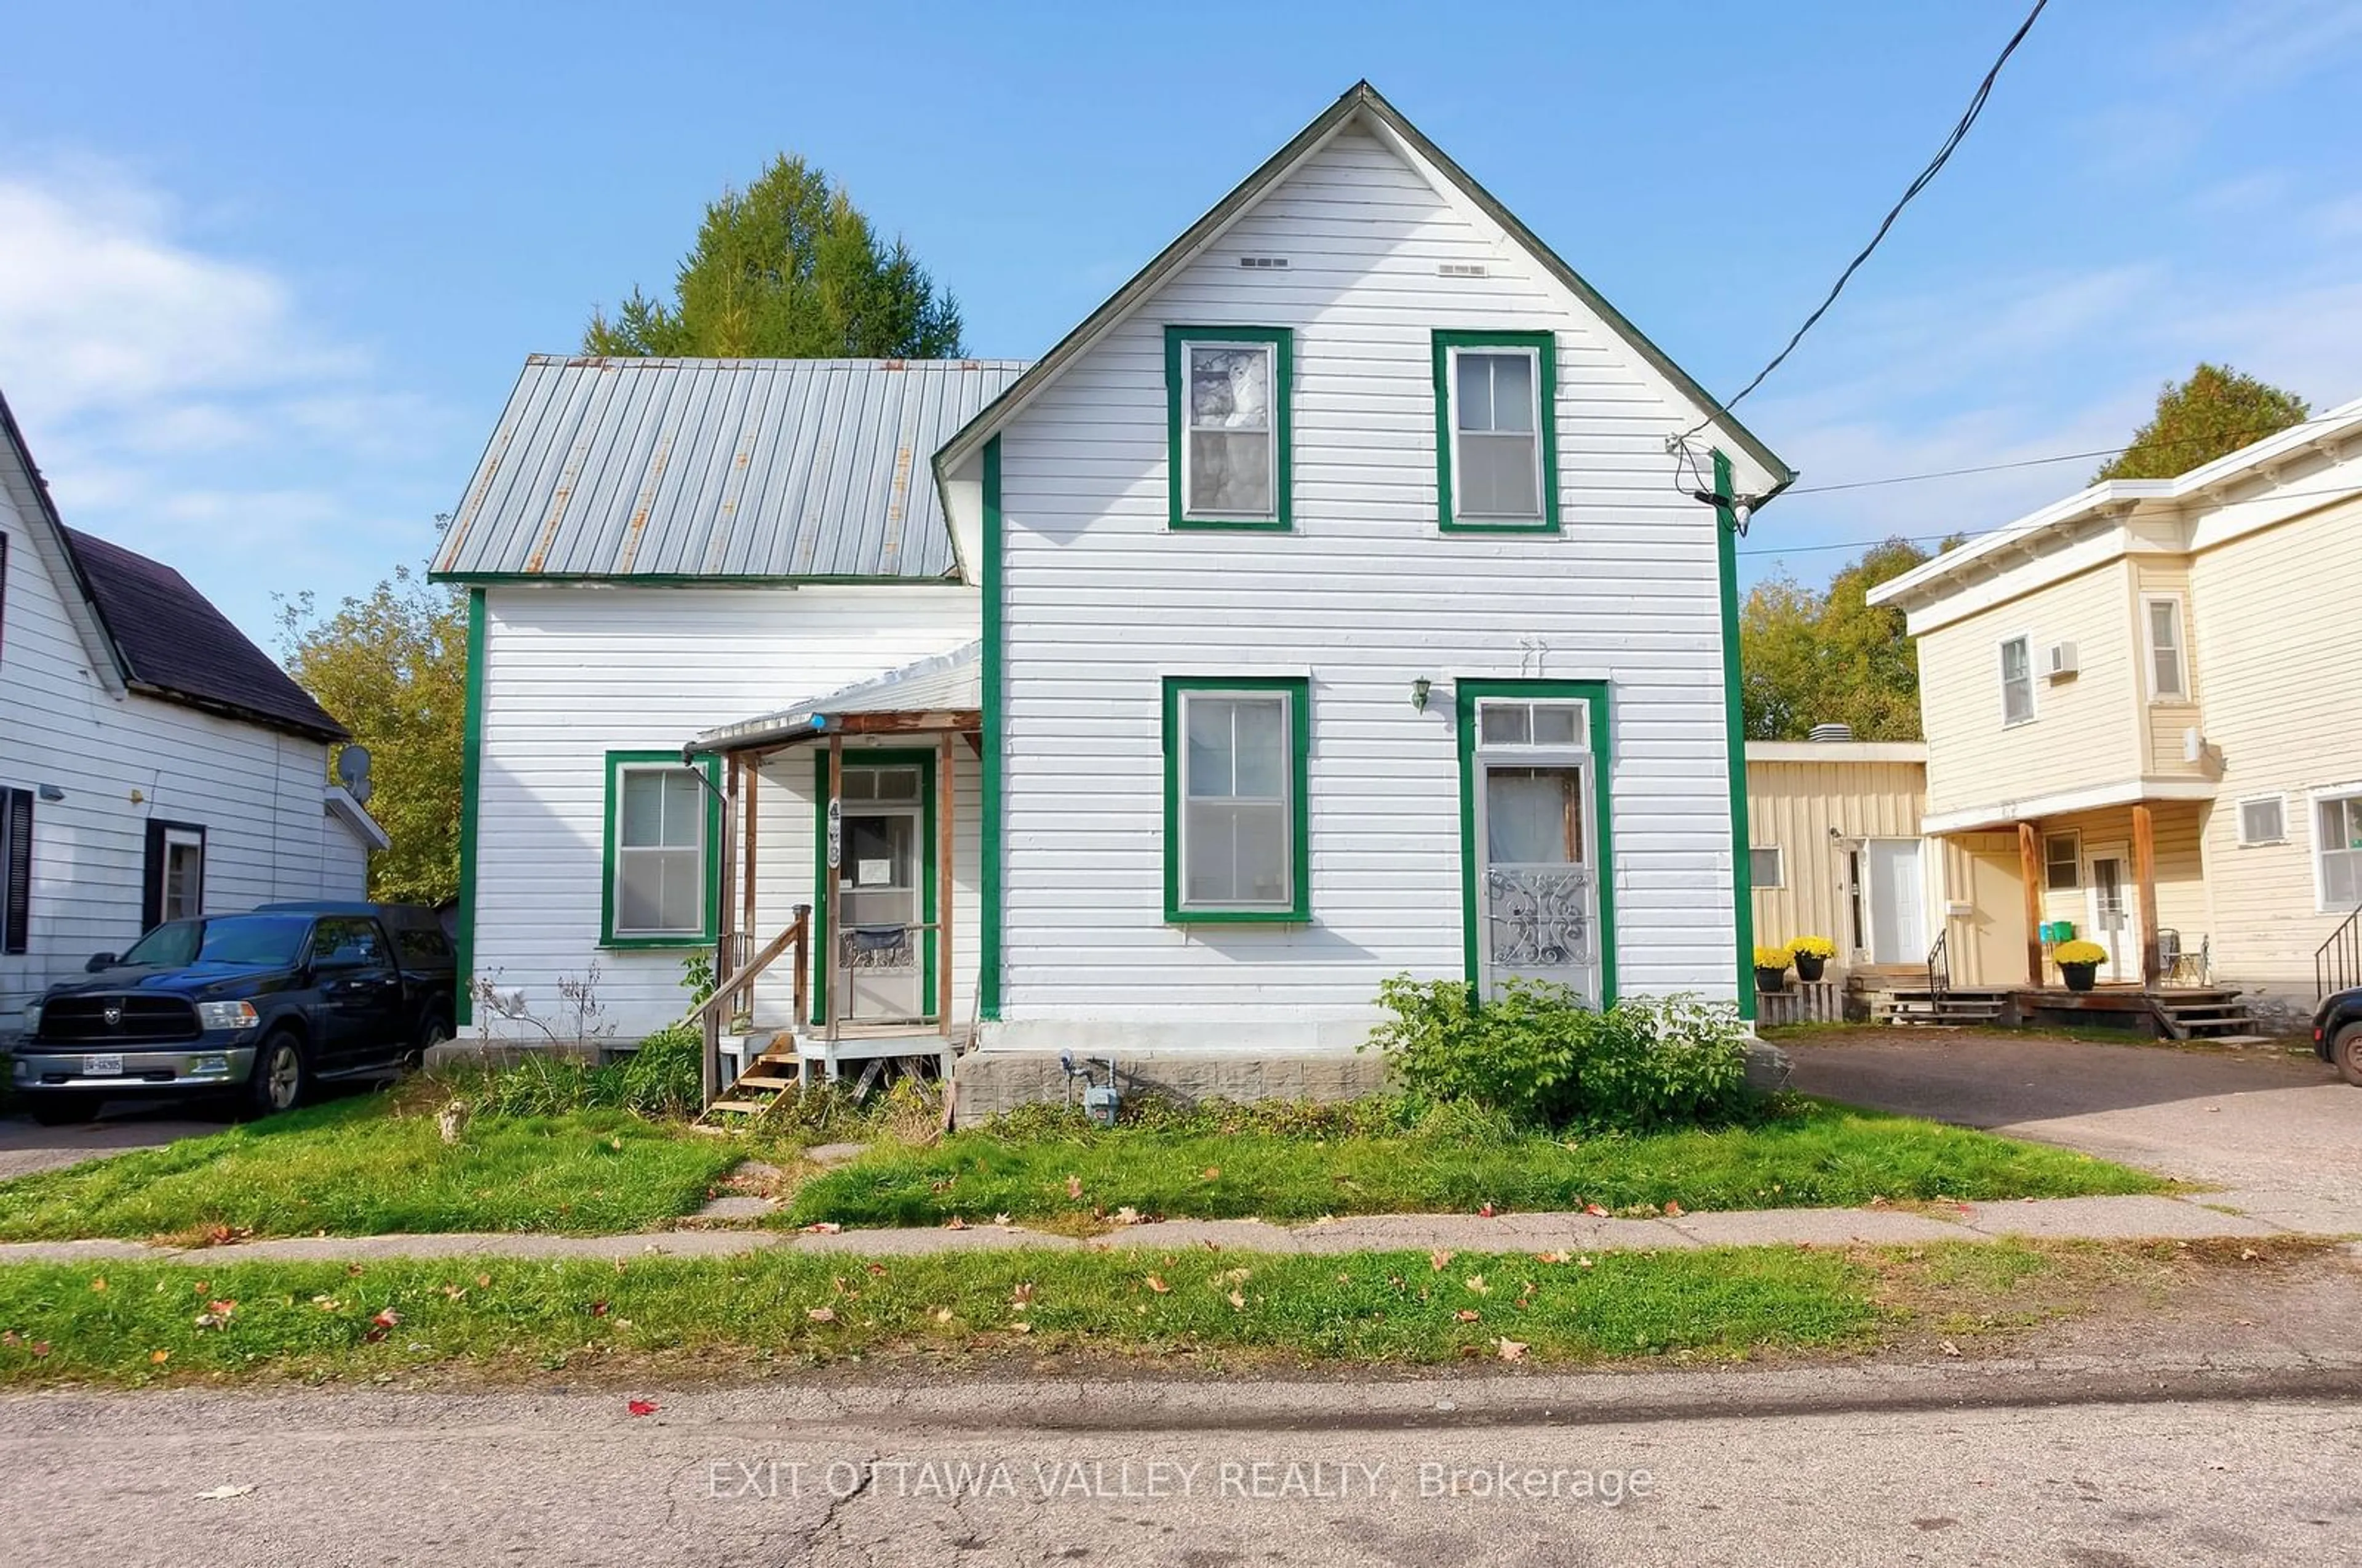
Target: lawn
point(1811, 1155)
point(365, 1167)
point(135, 1323)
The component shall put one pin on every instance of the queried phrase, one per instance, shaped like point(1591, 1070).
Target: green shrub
point(1535, 1056)
point(665, 1077)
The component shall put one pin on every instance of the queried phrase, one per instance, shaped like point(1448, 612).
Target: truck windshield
point(272, 940)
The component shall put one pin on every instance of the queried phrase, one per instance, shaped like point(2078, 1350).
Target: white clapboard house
point(1352, 594)
point(154, 763)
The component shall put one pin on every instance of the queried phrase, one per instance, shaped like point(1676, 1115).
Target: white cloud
point(190, 404)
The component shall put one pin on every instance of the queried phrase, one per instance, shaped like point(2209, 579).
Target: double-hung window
point(1496, 447)
point(2338, 822)
point(2169, 673)
point(174, 886)
point(1235, 815)
point(2017, 680)
point(1228, 426)
point(2062, 862)
point(663, 822)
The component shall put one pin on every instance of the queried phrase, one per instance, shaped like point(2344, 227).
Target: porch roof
point(948, 686)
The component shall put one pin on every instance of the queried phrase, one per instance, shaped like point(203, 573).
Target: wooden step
point(751, 1107)
point(763, 1081)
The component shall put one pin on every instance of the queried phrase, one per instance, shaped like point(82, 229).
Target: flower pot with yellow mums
point(2079, 961)
point(1811, 953)
point(1771, 968)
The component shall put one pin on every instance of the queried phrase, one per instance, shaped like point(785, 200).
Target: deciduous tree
point(2214, 413)
point(1810, 656)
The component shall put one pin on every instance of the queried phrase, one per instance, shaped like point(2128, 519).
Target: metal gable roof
point(752, 469)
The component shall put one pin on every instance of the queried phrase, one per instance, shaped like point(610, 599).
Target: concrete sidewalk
point(2098, 1219)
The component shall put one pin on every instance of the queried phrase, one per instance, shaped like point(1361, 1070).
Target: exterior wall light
point(1418, 691)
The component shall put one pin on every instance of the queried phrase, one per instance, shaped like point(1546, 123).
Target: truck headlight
point(226, 1014)
point(32, 1018)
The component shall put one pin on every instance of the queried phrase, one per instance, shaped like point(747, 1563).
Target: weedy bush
point(663, 1078)
point(1535, 1056)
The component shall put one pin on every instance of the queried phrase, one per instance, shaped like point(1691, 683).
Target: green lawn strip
point(1816, 1155)
point(135, 1323)
point(360, 1168)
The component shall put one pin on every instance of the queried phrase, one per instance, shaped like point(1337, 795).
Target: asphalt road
point(1431, 1474)
point(2282, 1137)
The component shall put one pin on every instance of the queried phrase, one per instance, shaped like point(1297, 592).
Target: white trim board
point(2122, 792)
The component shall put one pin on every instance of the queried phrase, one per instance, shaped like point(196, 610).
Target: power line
point(1939, 538)
point(2240, 435)
point(1926, 177)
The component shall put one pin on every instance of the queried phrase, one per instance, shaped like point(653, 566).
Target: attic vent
point(1459, 268)
point(1830, 731)
point(1263, 263)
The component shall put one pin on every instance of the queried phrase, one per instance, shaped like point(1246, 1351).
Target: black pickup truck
point(263, 1005)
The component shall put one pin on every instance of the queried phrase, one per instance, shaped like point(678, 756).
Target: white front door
point(2112, 921)
point(1898, 902)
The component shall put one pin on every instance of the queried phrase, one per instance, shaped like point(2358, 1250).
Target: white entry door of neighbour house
point(2111, 922)
point(1537, 836)
point(882, 885)
point(1898, 901)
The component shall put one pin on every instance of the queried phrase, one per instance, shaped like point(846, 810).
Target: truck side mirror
point(98, 961)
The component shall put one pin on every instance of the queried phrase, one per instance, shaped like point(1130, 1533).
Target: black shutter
point(152, 881)
point(16, 911)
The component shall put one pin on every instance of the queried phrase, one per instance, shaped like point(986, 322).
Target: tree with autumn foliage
point(393, 668)
point(2213, 413)
point(1811, 656)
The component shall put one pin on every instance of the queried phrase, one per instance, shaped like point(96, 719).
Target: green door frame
point(923, 758)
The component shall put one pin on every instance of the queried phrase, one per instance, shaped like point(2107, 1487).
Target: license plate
point(102, 1066)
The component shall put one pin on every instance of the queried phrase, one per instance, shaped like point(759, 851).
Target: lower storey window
point(661, 826)
point(1235, 801)
point(2341, 851)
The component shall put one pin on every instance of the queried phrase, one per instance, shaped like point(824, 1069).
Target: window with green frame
point(1230, 427)
point(1496, 442)
point(1236, 751)
point(662, 878)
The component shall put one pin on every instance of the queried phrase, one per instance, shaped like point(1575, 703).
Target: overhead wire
point(1939, 538)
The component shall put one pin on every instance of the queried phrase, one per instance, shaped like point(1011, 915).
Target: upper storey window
point(1228, 391)
point(1496, 450)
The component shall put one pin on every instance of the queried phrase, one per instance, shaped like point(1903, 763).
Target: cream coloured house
point(2139, 712)
point(1835, 850)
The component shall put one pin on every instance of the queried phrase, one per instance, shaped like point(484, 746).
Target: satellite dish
point(353, 772)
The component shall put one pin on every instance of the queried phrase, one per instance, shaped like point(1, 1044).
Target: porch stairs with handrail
point(2338, 962)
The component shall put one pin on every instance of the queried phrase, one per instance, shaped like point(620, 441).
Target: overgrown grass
point(137, 1323)
point(1808, 1155)
point(369, 1166)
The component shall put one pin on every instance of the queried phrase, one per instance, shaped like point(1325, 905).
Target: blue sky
point(266, 275)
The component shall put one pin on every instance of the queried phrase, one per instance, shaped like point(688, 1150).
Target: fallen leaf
point(1550, 1257)
point(1439, 1260)
point(99, 1284)
point(1003, 1220)
point(2248, 1254)
point(1476, 1282)
point(326, 1303)
point(454, 1292)
point(943, 1314)
point(483, 1282)
point(1673, 1211)
point(1948, 1348)
point(1595, 1210)
point(1238, 1302)
point(1512, 1350)
point(1022, 1295)
point(641, 1406)
point(598, 1308)
point(823, 1227)
point(159, 1356)
point(1022, 1328)
point(821, 1314)
point(387, 1318)
point(373, 1336)
point(1127, 1215)
point(1583, 1262)
point(9, 1338)
point(875, 1269)
point(1484, 1212)
point(1075, 1187)
point(1158, 1285)
point(1465, 1316)
point(223, 1493)
point(955, 1224)
point(41, 1348)
point(1213, 1173)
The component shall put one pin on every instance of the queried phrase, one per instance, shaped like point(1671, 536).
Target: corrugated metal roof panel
point(621, 468)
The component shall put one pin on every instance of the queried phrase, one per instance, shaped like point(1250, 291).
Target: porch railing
point(2337, 963)
point(708, 1014)
point(1940, 967)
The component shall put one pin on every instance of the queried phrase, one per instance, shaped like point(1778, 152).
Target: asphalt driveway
point(26, 1146)
point(2282, 1137)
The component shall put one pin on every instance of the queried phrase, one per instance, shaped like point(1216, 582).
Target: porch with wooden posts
point(885, 990)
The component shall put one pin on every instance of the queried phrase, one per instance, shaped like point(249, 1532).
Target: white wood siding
point(1364, 595)
point(259, 794)
point(573, 673)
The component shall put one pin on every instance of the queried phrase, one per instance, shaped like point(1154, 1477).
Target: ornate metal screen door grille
point(1539, 894)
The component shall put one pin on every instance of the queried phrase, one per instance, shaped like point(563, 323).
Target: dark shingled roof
point(180, 649)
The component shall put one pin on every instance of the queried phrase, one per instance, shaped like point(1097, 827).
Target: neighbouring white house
point(153, 762)
point(1351, 594)
point(2138, 703)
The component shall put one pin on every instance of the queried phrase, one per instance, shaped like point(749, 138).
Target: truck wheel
point(61, 1109)
point(431, 1034)
point(2346, 1051)
point(280, 1077)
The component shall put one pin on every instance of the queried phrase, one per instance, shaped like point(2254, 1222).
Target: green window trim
point(1466, 694)
point(988, 975)
point(1742, 869)
point(1299, 690)
point(1283, 344)
point(1545, 346)
point(710, 931)
point(922, 758)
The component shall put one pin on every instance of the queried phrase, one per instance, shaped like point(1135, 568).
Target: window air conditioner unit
point(2062, 661)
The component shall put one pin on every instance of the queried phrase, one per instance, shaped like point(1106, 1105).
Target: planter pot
point(2079, 975)
point(1770, 981)
point(1809, 966)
